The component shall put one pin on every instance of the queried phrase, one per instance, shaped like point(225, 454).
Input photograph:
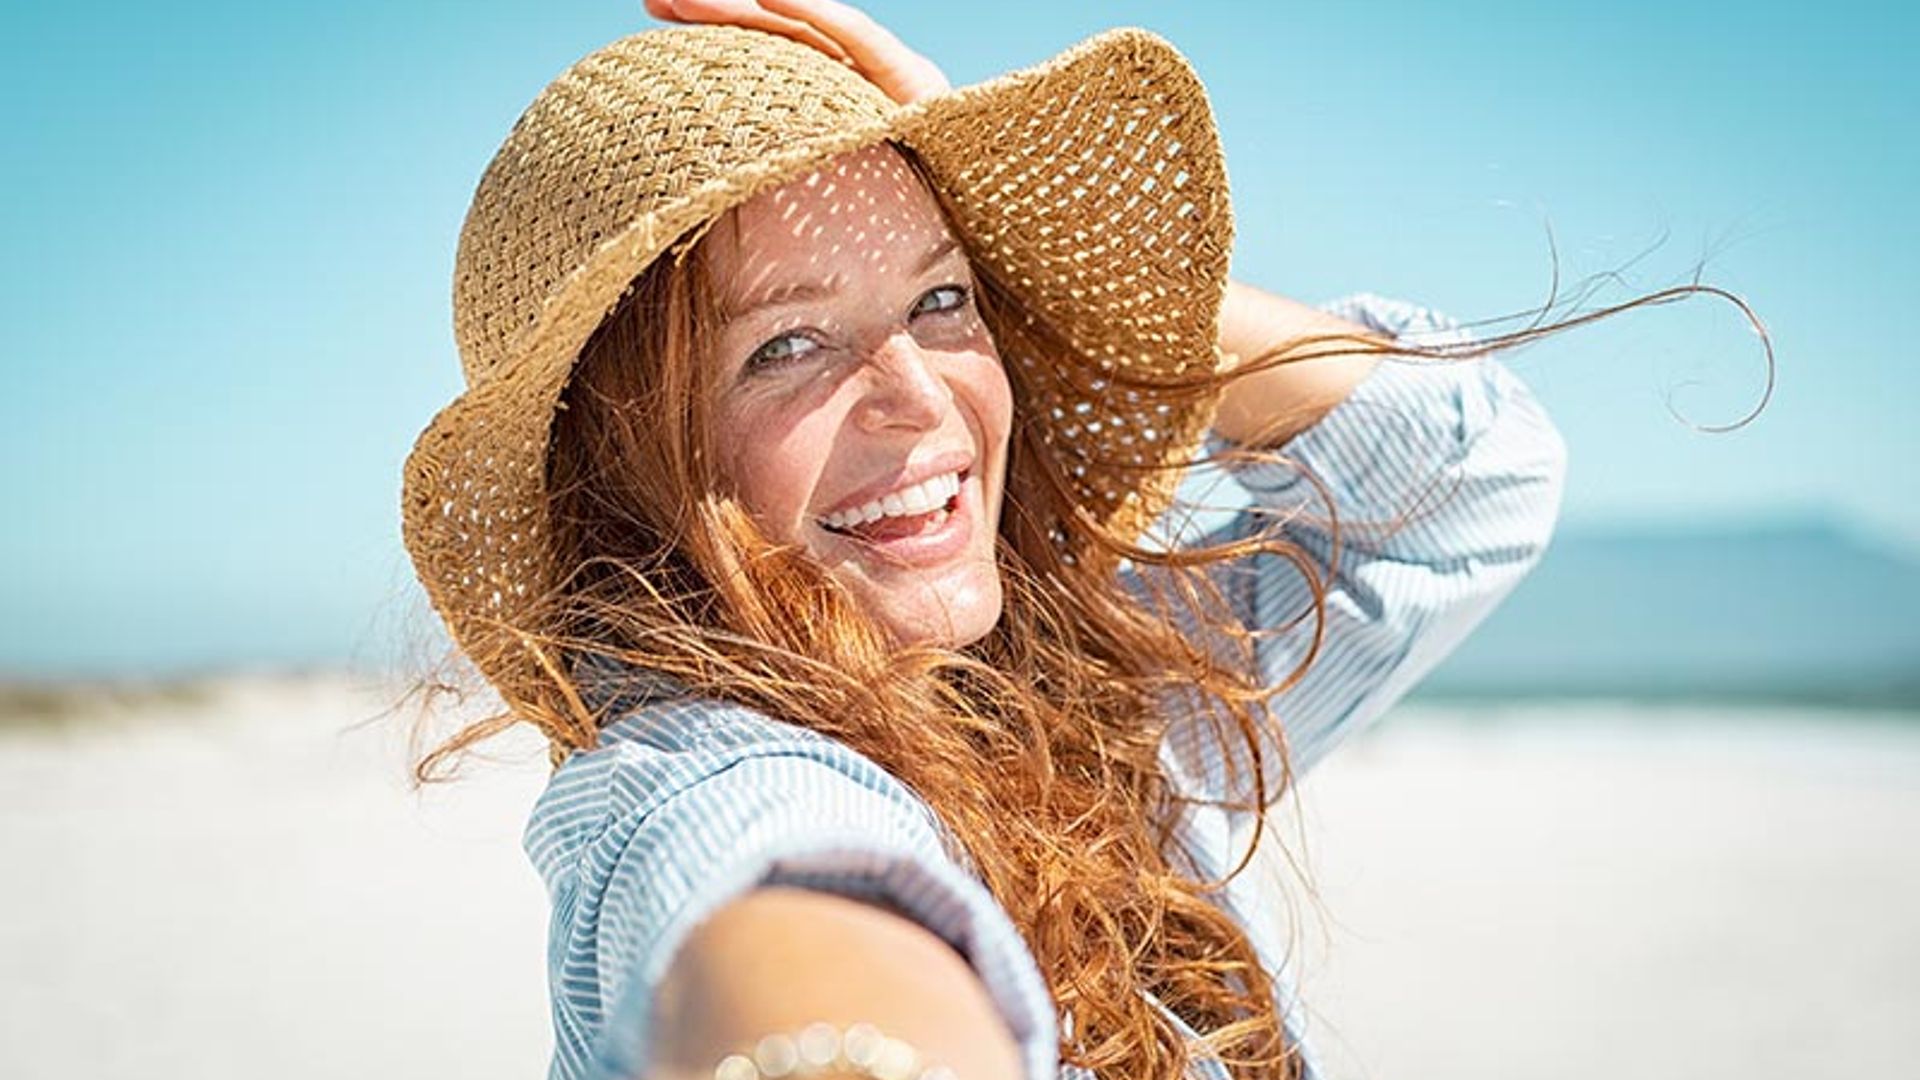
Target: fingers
point(874, 50)
point(839, 30)
point(749, 14)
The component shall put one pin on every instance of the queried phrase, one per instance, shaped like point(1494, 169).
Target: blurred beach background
point(1660, 815)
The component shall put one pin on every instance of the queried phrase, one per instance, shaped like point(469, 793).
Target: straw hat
point(1091, 184)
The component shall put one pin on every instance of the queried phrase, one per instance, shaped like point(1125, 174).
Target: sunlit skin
point(851, 363)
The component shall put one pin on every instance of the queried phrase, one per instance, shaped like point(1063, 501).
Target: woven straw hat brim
point(1092, 185)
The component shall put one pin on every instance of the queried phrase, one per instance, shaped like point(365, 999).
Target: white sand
point(1685, 895)
point(242, 888)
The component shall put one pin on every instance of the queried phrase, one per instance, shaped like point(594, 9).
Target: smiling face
point(860, 408)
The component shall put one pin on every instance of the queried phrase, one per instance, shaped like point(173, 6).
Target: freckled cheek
point(994, 404)
point(774, 464)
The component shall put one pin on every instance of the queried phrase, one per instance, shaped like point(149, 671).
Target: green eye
point(781, 350)
point(943, 298)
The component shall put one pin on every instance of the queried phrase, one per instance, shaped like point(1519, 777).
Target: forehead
point(865, 210)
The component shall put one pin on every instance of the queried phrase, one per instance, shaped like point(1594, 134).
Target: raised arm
point(1269, 407)
point(1444, 479)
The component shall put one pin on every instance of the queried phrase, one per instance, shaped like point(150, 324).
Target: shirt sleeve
point(1445, 478)
point(690, 829)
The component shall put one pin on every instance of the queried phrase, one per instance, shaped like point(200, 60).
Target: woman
point(811, 493)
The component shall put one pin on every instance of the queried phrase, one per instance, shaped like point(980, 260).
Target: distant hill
point(1794, 610)
point(1789, 611)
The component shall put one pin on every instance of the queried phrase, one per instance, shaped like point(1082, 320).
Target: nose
point(902, 389)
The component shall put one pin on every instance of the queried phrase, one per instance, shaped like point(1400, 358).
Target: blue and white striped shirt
point(683, 807)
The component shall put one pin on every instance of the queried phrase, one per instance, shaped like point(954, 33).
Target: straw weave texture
point(1091, 184)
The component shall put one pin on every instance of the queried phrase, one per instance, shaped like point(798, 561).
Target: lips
point(910, 504)
point(899, 526)
point(917, 540)
point(895, 483)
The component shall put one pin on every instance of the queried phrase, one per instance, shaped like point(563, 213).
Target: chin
point(952, 618)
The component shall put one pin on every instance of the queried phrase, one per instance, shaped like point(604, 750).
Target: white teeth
point(921, 498)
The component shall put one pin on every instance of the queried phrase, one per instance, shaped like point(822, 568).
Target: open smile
point(923, 524)
point(931, 497)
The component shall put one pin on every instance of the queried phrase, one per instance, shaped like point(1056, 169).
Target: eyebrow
point(796, 292)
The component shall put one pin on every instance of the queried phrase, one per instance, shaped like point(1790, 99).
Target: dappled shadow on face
point(861, 217)
point(853, 374)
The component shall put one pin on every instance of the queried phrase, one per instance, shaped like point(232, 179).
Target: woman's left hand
point(842, 31)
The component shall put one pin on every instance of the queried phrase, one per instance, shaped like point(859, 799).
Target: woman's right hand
point(842, 31)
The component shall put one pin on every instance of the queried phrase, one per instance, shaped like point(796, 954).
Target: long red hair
point(1037, 747)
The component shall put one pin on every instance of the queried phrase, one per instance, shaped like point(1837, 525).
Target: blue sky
point(229, 233)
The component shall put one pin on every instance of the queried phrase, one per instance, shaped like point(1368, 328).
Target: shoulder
point(712, 767)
